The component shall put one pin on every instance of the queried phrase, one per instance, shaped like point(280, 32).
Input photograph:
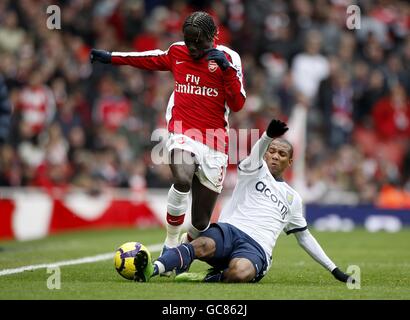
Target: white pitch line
point(98, 257)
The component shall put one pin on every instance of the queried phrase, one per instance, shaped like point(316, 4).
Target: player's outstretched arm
point(148, 60)
point(100, 56)
point(313, 248)
point(275, 129)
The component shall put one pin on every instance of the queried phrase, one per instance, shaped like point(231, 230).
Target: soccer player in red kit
point(208, 84)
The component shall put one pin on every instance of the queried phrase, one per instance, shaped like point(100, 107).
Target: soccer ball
point(124, 261)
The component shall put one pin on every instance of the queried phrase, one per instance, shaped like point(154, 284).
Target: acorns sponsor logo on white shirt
point(262, 188)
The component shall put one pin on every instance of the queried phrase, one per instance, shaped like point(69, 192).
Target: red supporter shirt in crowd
point(38, 106)
point(203, 94)
point(112, 111)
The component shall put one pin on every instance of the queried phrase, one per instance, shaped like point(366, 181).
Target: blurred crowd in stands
point(75, 124)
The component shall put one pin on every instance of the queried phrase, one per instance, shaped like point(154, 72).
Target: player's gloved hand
point(341, 276)
point(276, 128)
point(100, 56)
point(219, 57)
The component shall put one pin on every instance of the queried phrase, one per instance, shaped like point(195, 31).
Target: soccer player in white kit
point(239, 247)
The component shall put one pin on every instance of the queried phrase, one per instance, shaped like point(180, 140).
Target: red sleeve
point(149, 60)
point(234, 90)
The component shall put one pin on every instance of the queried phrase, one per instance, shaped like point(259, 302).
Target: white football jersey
point(262, 207)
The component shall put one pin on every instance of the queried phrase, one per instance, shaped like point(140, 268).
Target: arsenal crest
point(212, 66)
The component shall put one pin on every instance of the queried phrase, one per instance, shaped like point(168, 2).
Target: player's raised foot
point(191, 276)
point(143, 265)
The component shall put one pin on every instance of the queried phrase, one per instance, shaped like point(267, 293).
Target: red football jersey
point(203, 94)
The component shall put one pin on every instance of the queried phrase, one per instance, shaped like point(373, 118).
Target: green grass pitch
point(383, 258)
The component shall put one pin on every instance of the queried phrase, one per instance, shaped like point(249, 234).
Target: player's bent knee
point(240, 270)
point(204, 247)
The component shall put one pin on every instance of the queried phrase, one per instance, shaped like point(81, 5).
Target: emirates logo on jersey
point(194, 89)
point(212, 66)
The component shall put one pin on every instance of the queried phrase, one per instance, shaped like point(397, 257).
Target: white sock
point(176, 209)
point(172, 239)
point(161, 267)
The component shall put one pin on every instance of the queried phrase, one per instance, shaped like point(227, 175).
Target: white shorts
point(211, 163)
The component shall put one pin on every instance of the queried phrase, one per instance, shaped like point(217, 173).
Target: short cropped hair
point(284, 141)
